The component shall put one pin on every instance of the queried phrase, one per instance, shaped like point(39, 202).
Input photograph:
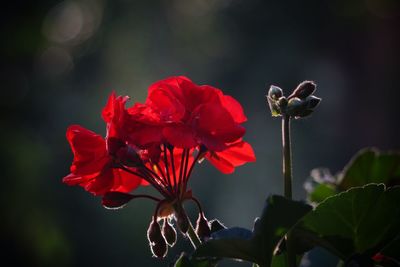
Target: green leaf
point(278, 217)
point(321, 192)
point(392, 250)
point(371, 166)
point(367, 166)
point(234, 243)
point(281, 260)
point(360, 220)
point(185, 261)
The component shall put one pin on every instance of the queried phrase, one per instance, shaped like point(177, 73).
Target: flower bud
point(169, 233)
point(202, 227)
point(312, 102)
point(295, 106)
point(216, 225)
point(304, 89)
point(282, 102)
point(303, 113)
point(154, 232)
point(182, 220)
point(159, 249)
point(275, 92)
point(157, 242)
point(274, 107)
point(278, 105)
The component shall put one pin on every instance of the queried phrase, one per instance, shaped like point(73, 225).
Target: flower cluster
point(158, 143)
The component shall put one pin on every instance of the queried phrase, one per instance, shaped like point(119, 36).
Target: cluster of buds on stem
point(301, 103)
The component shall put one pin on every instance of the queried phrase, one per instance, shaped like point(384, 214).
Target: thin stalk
point(287, 156)
point(147, 196)
point(176, 187)
point(194, 239)
point(166, 164)
point(287, 177)
point(150, 180)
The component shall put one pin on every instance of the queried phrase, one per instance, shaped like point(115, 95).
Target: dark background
point(61, 59)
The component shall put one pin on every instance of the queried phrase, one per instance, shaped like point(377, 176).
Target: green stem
point(194, 239)
point(287, 156)
point(287, 177)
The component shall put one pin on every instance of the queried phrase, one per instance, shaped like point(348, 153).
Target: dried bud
point(169, 233)
point(182, 220)
point(304, 89)
point(216, 225)
point(275, 92)
point(159, 249)
point(202, 227)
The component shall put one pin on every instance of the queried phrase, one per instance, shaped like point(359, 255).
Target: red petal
point(144, 135)
point(221, 164)
point(180, 135)
point(235, 155)
point(238, 153)
point(100, 184)
point(124, 181)
point(114, 107)
point(215, 126)
point(163, 100)
point(89, 150)
point(234, 108)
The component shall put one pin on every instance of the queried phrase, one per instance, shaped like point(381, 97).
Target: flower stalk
point(301, 103)
point(288, 178)
point(194, 239)
point(287, 156)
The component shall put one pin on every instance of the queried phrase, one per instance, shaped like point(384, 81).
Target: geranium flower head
point(158, 143)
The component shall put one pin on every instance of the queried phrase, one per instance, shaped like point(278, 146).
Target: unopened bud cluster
point(160, 238)
point(299, 104)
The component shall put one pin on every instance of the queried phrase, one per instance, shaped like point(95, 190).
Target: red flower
point(92, 167)
point(159, 143)
point(195, 116)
